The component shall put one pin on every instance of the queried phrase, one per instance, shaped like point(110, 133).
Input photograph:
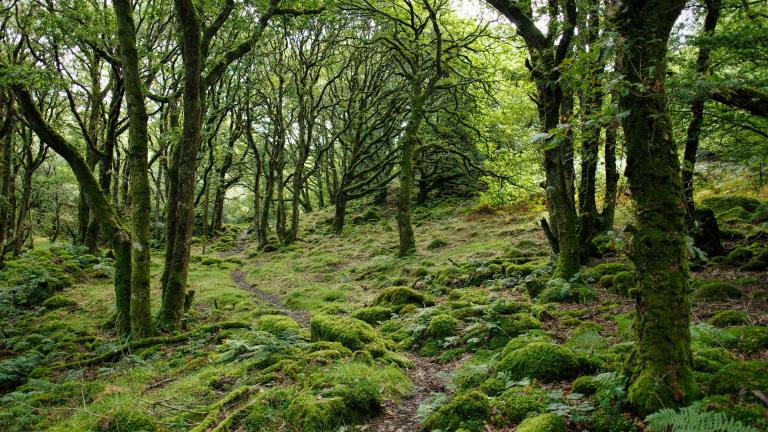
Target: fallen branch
point(129, 347)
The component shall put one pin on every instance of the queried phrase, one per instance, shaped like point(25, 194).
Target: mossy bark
point(408, 150)
point(138, 152)
point(96, 200)
point(660, 366)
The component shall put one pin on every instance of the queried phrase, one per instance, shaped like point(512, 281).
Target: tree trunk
point(660, 365)
point(340, 213)
point(408, 151)
point(96, 200)
point(611, 178)
point(138, 152)
point(697, 110)
point(6, 149)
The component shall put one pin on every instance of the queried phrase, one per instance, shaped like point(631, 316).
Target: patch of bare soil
point(300, 316)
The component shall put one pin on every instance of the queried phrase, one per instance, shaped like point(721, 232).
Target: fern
point(588, 341)
point(694, 418)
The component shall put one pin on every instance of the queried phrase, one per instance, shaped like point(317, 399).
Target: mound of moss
point(716, 290)
point(467, 411)
point(585, 384)
point(562, 291)
point(754, 414)
point(747, 339)
point(622, 283)
point(740, 378)
point(441, 326)
point(309, 413)
point(728, 318)
point(401, 296)
point(608, 268)
point(517, 403)
point(711, 359)
point(543, 423)
point(350, 332)
point(277, 324)
point(525, 339)
point(544, 361)
point(58, 302)
point(373, 315)
point(720, 204)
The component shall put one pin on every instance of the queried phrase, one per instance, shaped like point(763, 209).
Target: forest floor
point(280, 356)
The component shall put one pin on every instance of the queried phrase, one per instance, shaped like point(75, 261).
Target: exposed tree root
point(129, 347)
point(213, 421)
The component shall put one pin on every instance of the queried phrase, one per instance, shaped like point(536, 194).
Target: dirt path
point(400, 416)
point(300, 316)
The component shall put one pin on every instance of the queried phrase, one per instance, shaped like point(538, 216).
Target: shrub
point(543, 423)
point(544, 361)
point(729, 318)
point(467, 411)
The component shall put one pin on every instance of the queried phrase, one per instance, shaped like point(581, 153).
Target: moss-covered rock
point(747, 339)
point(525, 339)
point(373, 314)
point(350, 332)
point(441, 326)
point(728, 318)
point(437, 243)
point(401, 296)
point(716, 290)
point(608, 268)
point(59, 302)
point(724, 203)
point(622, 283)
point(740, 378)
point(739, 256)
point(516, 324)
point(753, 414)
point(585, 384)
point(543, 423)
point(517, 403)
point(758, 262)
point(309, 413)
point(467, 411)
point(711, 359)
point(126, 420)
point(544, 361)
point(277, 324)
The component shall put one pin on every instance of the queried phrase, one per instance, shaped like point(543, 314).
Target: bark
point(660, 365)
point(138, 153)
point(96, 200)
point(407, 244)
point(750, 99)
point(697, 110)
point(611, 178)
point(6, 148)
point(340, 211)
point(183, 172)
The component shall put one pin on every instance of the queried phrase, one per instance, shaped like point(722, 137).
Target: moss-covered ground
point(471, 333)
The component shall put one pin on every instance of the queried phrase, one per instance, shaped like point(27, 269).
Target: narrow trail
point(300, 316)
point(428, 378)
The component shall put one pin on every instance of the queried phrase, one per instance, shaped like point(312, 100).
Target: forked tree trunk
point(660, 365)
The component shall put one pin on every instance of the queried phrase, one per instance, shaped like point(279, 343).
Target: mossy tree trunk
point(96, 200)
point(406, 178)
point(138, 153)
point(660, 365)
point(6, 149)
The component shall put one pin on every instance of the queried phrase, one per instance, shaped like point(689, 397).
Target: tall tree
point(660, 365)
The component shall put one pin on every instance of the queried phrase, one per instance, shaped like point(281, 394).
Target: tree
point(660, 365)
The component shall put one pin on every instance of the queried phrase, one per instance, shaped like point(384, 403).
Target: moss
point(739, 256)
point(543, 423)
point(516, 324)
point(407, 309)
point(467, 411)
point(711, 359)
point(724, 203)
point(437, 243)
point(608, 268)
point(441, 326)
point(126, 420)
point(277, 324)
point(58, 302)
point(586, 385)
point(741, 378)
point(758, 262)
point(350, 332)
point(544, 361)
point(729, 318)
point(622, 283)
point(604, 244)
point(561, 291)
point(520, 270)
point(309, 413)
point(610, 419)
point(471, 295)
point(734, 215)
point(716, 290)
point(363, 357)
point(525, 339)
point(517, 403)
point(653, 388)
point(606, 281)
point(210, 261)
point(401, 296)
point(373, 314)
point(747, 339)
point(753, 414)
